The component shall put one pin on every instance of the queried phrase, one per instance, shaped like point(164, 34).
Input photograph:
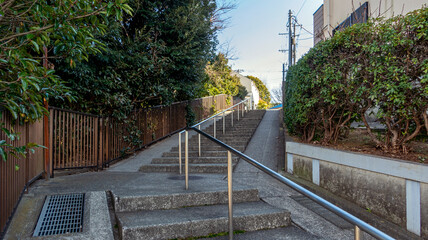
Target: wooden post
point(46, 123)
point(27, 158)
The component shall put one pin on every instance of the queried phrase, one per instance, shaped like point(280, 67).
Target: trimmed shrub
point(380, 64)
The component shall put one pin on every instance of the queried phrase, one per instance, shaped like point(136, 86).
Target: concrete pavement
point(124, 179)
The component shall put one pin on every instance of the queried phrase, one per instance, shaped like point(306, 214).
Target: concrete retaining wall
point(393, 189)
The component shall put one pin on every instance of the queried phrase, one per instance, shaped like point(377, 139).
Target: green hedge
point(381, 64)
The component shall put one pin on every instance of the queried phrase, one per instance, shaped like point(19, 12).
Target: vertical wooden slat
point(93, 141)
point(86, 140)
point(107, 140)
point(61, 128)
point(68, 136)
point(90, 159)
point(62, 139)
point(116, 139)
point(51, 144)
point(99, 137)
point(101, 142)
point(27, 156)
point(73, 134)
point(67, 140)
point(54, 134)
point(81, 138)
point(89, 145)
point(3, 178)
point(71, 139)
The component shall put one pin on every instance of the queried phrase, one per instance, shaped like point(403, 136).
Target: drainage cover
point(61, 214)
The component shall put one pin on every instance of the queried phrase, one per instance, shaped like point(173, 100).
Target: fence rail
point(81, 140)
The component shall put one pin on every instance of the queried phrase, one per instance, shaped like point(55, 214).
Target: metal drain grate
point(61, 214)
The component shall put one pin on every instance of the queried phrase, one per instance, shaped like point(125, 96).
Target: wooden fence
point(13, 182)
point(80, 140)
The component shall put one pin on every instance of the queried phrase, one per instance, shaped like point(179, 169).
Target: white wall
point(336, 11)
point(250, 87)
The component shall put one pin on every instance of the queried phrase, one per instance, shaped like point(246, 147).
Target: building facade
point(253, 92)
point(336, 14)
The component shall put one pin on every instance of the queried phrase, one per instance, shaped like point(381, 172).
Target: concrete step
point(214, 147)
point(193, 168)
point(174, 160)
point(237, 125)
point(228, 137)
point(196, 154)
point(233, 142)
point(247, 129)
point(143, 201)
point(199, 221)
point(283, 233)
point(228, 141)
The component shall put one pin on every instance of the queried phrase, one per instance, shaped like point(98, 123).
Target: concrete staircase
point(193, 213)
point(213, 158)
point(168, 212)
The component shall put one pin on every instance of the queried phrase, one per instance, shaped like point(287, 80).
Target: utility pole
point(294, 43)
point(290, 40)
point(283, 72)
point(291, 48)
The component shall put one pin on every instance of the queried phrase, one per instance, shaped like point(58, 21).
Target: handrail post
point(199, 141)
point(179, 152)
point(243, 109)
point(357, 233)
point(238, 112)
point(215, 129)
point(230, 192)
point(224, 125)
point(249, 105)
point(232, 116)
point(186, 159)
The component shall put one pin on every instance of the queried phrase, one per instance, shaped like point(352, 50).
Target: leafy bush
point(261, 87)
point(242, 92)
point(219, 78)
point(381, 64)
point(262, 104)
point(33, 30)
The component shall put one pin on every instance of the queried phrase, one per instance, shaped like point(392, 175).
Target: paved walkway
point(124, 177)
point(265, 147)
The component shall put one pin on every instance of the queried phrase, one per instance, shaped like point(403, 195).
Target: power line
point(301, 8)
point(304, 28)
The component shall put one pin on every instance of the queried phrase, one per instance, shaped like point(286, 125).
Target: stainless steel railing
point(241, 107)
point(358, 223)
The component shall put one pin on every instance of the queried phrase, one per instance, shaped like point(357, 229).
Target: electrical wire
point(301, 8)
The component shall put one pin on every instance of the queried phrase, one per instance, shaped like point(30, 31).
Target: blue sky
point(252, 34)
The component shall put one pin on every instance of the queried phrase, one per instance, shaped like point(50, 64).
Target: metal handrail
point(248, 100)
point(342, 213)
point(213, 116)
